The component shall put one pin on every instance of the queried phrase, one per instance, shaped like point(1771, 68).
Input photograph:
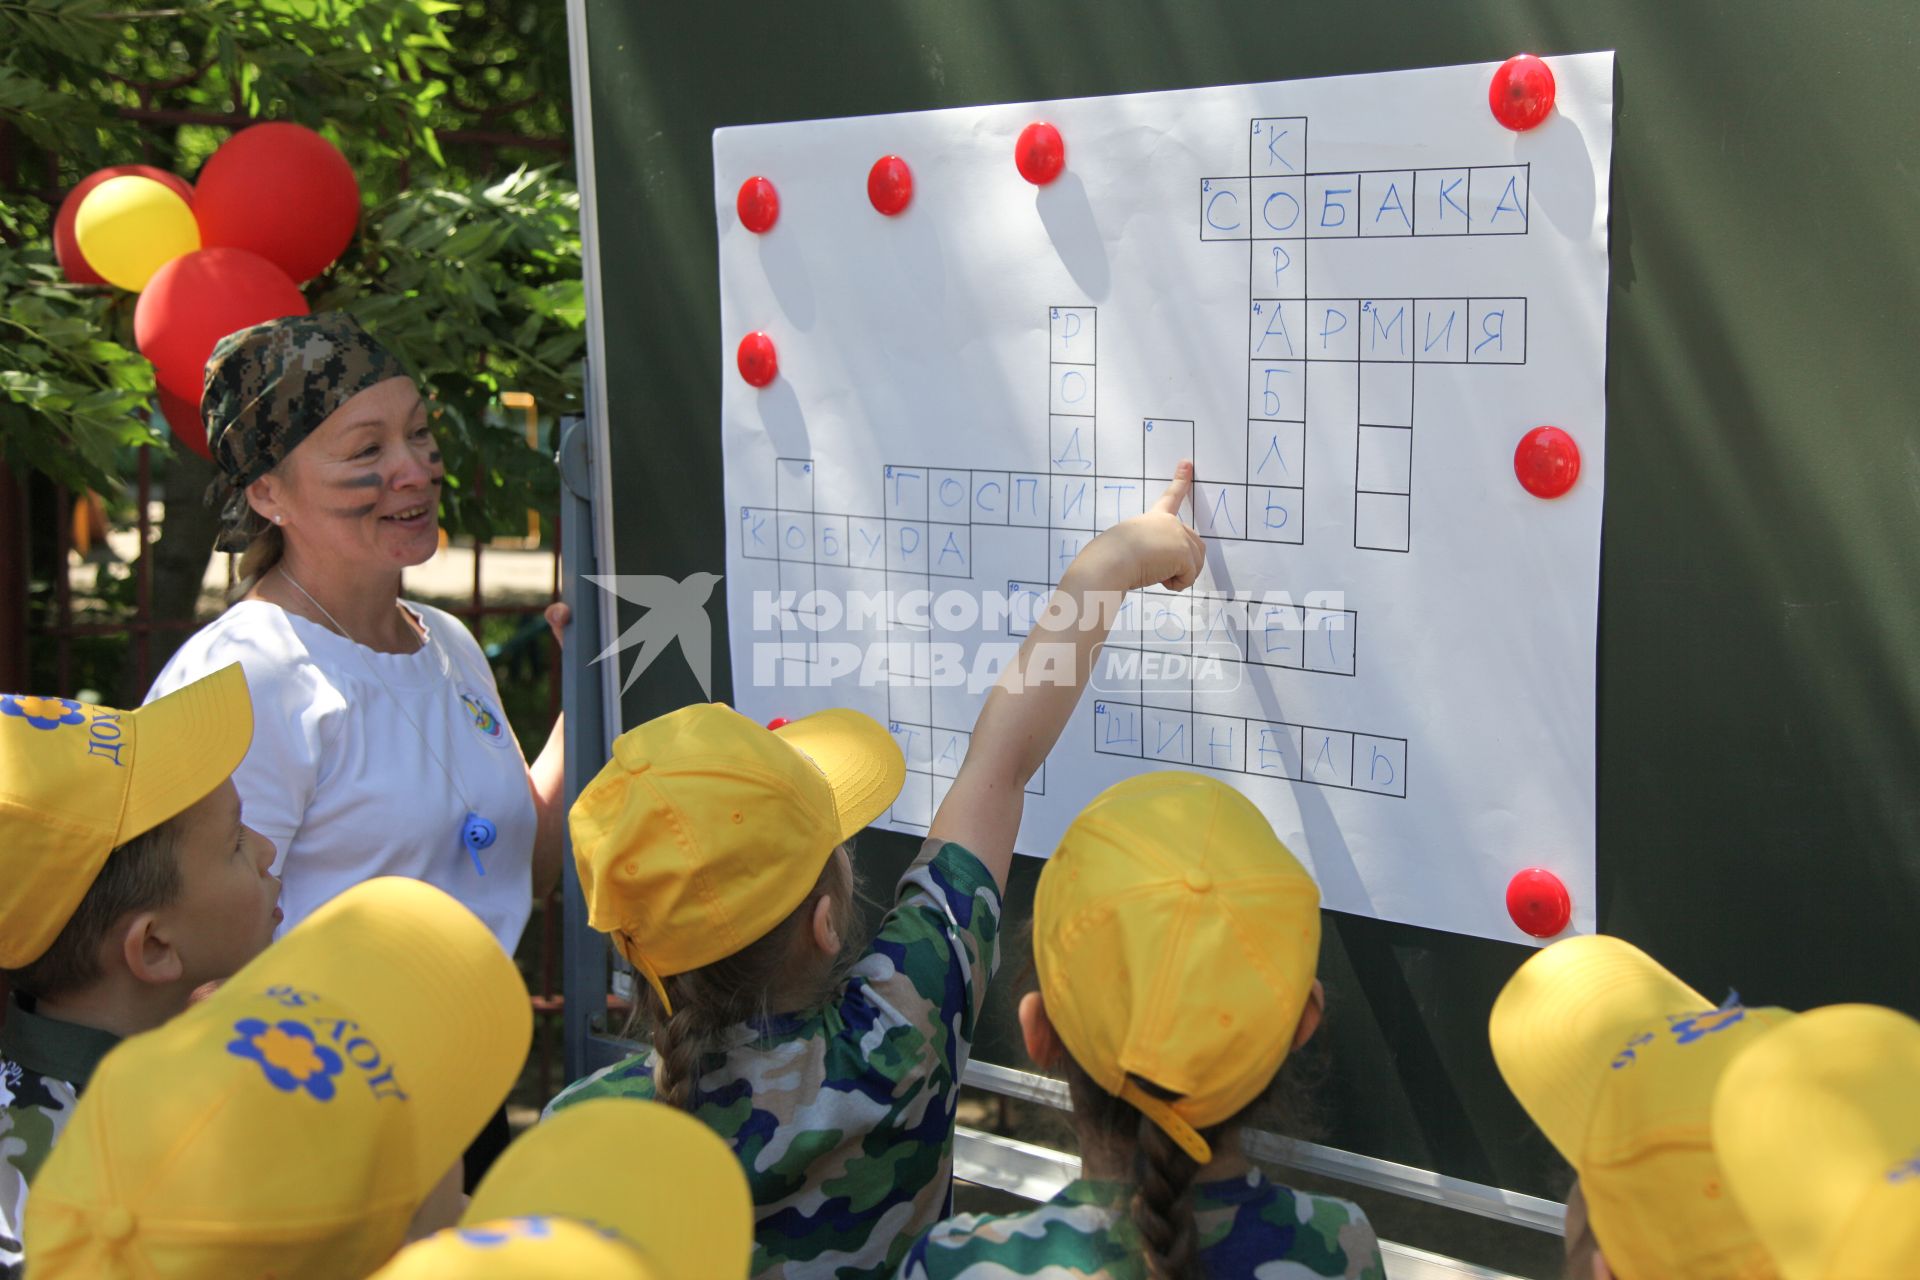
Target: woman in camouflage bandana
point(379, 732)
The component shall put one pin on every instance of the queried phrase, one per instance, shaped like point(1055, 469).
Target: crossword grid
point(924, 533)
point(1461, 200)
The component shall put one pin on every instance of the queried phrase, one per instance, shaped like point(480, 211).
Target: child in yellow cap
point(615, 1189)
point(1175, 938)
point(1818, 1128)
point(714, 852)
point(1617, 1060)
point(127, 879)
point(292, 1124)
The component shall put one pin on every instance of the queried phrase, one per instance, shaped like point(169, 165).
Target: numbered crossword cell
point(1224, 205)
point(1073, 335)
point(1116, 728)
point(1168, 440)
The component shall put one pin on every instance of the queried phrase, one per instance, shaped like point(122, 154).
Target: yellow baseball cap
point(77, 781)
point(290, 1124)
point(705, 830)
point(1176, 939)
point(528, 1248)
point(1818, 1128)
point(656, 1193)
point(1616, 1060)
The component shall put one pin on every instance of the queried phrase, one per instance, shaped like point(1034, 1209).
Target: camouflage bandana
point(268, 387)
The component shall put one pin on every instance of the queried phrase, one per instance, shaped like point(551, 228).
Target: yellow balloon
point(129, 227)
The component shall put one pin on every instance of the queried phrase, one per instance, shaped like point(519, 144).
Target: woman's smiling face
point(364, 488)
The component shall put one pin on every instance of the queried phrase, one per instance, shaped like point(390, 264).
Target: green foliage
point(73, 398)
point(473, 278)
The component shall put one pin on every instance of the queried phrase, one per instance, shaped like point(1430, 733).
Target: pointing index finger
point(1178, 490)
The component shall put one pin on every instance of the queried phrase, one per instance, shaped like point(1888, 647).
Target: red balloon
point(1040, 153)
point(281, 191)
point(758, 205)
point(890, 184)
point(759, 362)
point(200, 298)
point(1546, 462)
point(183, 416)
point(66, 247)
point(1538, 902)
point(1521, 94)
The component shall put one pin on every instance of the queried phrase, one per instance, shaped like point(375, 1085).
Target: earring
point(279, 519)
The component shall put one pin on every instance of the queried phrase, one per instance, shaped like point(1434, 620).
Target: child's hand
point(1156, 547)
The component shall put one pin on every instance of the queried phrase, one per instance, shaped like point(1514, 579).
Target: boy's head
point(1175, 939)
point(614, 1187)
point(1818, 1128)
point(121, 843)
point(292, 1123)
point(1616, 1060)
point(705, 831)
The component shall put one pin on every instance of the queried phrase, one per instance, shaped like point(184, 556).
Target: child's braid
point(1162, 1209)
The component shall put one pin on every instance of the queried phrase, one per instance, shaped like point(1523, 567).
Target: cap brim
point(661, 1179)
point(862, 763)
point(1563, 1018)
point(186, 744)
point(1808, 1122)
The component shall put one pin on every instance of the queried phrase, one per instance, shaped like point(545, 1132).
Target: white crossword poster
point(1348, 300)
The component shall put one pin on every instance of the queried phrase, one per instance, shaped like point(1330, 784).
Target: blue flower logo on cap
point(1908, 1171)
point(41, 713)
point(288, 1055)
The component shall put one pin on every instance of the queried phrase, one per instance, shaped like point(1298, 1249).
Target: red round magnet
point(890, 184)
point(1538, 902)
point(778, 722)
point(758, 205)
point(758, 361)
point(1040, 154)
point(1521, 94)
point(1547, 462)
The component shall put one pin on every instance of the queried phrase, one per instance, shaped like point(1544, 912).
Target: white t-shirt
point(342, 776)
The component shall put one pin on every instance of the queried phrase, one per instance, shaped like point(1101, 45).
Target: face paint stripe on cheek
point(359, 482)
point(353, 513)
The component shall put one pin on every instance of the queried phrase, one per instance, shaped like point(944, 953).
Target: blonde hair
point(708, 1000)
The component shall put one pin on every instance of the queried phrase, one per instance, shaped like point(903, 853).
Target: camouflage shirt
point(44, 1064)
point(1248, 1227)
point(843, 1116)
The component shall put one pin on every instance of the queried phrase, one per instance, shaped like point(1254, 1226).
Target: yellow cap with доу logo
point(1617, 1060)
point(1818, 1129)
point(705, 830)
point(1176, 939)
point(78, 780)
point(614, 1187)
point(292, 1123)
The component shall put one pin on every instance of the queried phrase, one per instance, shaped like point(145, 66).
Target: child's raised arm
point(1029, 705)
